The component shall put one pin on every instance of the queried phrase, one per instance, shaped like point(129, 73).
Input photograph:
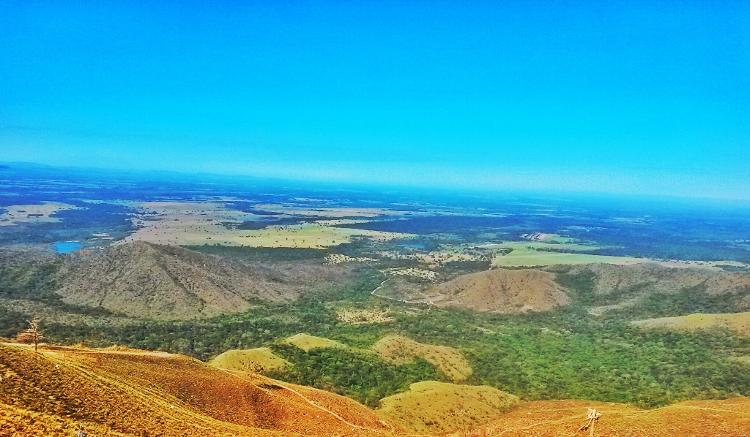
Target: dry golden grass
point(133, 392)
point(737, 322)
point(399, 349)
point(260, 359)
point(307, 342)
point(17, 421)
point(725, 418)
point(436, 407)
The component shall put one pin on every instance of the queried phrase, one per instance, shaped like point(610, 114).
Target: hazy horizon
point(639, 99)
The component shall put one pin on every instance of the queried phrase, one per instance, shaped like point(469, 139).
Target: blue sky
point(644, 97)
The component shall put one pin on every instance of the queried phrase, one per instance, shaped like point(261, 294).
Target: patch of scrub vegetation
point(437, 407)
point(308, 342)
point(360, 375)
point(261, 359)
point(363, 316)
point(399, 349)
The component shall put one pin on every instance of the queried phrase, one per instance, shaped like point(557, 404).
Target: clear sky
point(640, 97)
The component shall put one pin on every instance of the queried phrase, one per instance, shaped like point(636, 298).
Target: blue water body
point(66, 246)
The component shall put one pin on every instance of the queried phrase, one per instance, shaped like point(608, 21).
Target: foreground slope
point(727, 418)
point(131, 392)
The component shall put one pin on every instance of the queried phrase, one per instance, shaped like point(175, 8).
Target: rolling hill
point(145, 280)
point(261, 359)
point(308, 342)
point(609, 278)
point(437, 407)
point(399, 349)
point(501, 291)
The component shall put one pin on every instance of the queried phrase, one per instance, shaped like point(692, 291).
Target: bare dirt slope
point(500, 291)
point(130, 392)
point(166, 282)
point(726, 418)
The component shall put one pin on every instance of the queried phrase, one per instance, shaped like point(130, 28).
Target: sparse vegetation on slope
point(500, 291)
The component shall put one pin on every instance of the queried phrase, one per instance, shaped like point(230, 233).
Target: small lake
point(66, 246)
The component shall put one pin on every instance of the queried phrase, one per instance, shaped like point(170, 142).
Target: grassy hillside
point(308, 342)
point(399, 349)
point(121, 391)
point(132, 392)
point(737, 322)
point(437, 407)
point(261, 359)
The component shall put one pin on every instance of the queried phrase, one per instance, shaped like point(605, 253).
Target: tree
point(32, 334)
